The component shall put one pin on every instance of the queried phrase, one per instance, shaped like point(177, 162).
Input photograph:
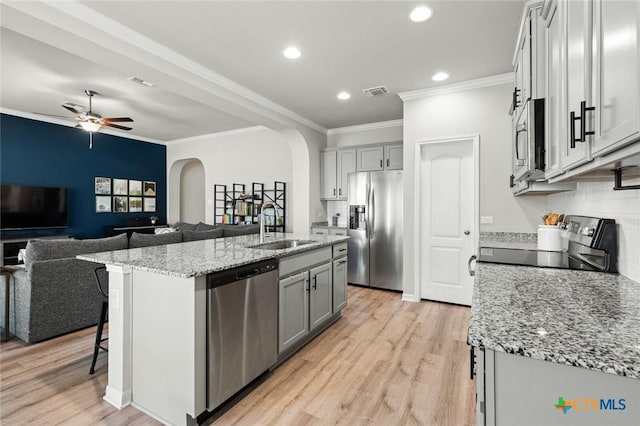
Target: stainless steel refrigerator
point(375, 229)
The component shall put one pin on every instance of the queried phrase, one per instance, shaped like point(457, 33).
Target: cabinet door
point(339, 284)
point(329, 172)
point(578, 80)
point(393, 157)
point(320, 300)
point(616, 74)
point(555, 118)
point(370, 159)
point(293, 312)
point(346, 165)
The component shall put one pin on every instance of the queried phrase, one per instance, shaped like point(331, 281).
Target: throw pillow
point(145, 240)
point(164, 230)
point(201, 235)
point(184, 226)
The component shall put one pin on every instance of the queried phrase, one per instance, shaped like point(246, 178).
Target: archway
point(186, 191)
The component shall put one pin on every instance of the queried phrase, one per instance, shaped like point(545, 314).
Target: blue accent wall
point(43, 154)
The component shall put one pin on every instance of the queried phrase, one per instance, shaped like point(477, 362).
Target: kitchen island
point(158, 310)
point(555, 346)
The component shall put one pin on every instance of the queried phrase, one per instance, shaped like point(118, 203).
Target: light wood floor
point(385, 362)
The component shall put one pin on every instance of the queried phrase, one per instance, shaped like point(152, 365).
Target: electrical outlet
point(487, 220)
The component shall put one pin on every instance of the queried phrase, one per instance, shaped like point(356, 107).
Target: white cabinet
point(393, 157)
point(616, 74)
point(335, 167)
point(370, 159)
point(594, 51)
point(346, 165)
point(320, 295)
point(293, 316)
point(328, 166)
point(316, 230)
point(555, 117)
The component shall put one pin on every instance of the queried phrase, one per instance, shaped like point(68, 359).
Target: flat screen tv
point(32, 207)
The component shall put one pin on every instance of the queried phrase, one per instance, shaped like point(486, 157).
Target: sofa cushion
point(38, 250)
point(201, 235)
point(205, 227)
point(184, 226)
point(236, 230)
point(146, 240)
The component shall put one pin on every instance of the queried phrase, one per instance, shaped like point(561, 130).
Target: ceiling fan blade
point(57, 116)
point(116, 119)
point(115, 126)
point(72, 109)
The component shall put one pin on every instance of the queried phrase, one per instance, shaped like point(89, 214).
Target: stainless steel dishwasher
point(242, 327)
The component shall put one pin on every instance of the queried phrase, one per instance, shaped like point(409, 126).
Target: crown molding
point(365, 127)
point(209, 136)
point(66, 123)
point(92, 21)
point(495, 80)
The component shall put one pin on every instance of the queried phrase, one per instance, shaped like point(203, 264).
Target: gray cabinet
point(293, 321)
point(339, 284)
point(319, 231)
point(555, 116)
point(370, 159)
point(328, 167)
point(346, 165)
point(320, 300)
point(393, 157)
point(337, 231)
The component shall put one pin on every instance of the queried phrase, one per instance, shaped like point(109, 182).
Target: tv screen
point(24, 207)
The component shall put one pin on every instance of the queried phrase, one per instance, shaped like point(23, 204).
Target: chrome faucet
point(264, 207)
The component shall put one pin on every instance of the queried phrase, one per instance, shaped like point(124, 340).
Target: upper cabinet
point(593, 82)
point(337, 164)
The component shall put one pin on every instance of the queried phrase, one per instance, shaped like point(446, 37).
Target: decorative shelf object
point(234, 205)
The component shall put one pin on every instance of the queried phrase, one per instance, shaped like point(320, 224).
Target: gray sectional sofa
point(56, 293)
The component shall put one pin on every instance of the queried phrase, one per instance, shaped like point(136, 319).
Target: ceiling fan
point(92, 121)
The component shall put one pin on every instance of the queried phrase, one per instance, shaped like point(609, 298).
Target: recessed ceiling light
point(343, 96)
point(292, 52)
point(440, 76)
point(420, 14)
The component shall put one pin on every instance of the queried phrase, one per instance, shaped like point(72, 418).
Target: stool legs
point(99, 339)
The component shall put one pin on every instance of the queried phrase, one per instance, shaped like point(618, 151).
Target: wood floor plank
point(385, 362)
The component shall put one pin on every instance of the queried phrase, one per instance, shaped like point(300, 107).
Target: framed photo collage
point(124, 195)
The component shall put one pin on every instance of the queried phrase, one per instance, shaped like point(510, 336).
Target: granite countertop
point(190, 259)
point(512, 240)
point(579, 318)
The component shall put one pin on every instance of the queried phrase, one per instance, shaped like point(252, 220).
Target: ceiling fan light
point(90, 126)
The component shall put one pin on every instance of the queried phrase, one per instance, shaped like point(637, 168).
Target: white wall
point(192, 193)
point(482, 112)
point(600, 200)
point(360, 135)
point(254, 155)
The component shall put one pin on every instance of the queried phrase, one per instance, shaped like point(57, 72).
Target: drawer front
point(338, 231)
point(302, 261)
point(339, 250)
point(320, 231)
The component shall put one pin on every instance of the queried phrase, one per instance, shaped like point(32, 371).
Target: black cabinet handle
point(315, 284)
point(515, 98)
point(472, 362)
point(380, 162)
point(572, 130)
point(340, 191)
point(583, 121)
point(387, 162)
point(334, 192)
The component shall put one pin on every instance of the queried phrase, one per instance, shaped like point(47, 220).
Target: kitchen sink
point(282, 244)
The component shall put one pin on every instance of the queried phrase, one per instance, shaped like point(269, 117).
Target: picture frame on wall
point(149, 189)
point(135, 204)
point(149, 204)
point(120, 187)
point(135, 189)
point(103, 186)
point(103, 204)
point(121, 204)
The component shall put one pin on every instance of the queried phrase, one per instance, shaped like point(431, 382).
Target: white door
point(447, 219)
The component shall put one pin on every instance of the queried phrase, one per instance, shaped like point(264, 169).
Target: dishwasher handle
point(246, 274)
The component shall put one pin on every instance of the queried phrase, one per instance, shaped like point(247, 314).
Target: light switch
point(486, 220)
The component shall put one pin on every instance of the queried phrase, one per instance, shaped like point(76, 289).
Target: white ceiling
point(346, 45)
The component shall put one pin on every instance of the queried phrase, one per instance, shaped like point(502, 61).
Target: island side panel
point(169, 345)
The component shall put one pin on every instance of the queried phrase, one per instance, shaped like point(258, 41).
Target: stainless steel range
point(592, 246)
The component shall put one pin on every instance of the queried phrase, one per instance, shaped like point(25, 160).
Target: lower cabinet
point(293, 321)
point(339, 284)
point(320, 300)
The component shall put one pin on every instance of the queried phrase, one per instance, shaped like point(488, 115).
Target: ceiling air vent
point(375, 91)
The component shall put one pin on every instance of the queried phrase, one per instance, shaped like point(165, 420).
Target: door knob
point(467, 232)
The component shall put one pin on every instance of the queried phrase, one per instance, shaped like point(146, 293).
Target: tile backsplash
point(341, 207)
point(600, 200)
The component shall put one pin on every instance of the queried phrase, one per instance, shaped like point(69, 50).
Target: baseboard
point(116, 398)
point(409, 298)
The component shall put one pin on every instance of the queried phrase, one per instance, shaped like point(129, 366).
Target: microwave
point(529, 142)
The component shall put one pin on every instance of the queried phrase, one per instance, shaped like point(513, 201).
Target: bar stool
point(6, 276)
point(103, 315)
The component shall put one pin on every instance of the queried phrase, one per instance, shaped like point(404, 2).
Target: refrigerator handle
point(367, 212)
point(372, 212)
